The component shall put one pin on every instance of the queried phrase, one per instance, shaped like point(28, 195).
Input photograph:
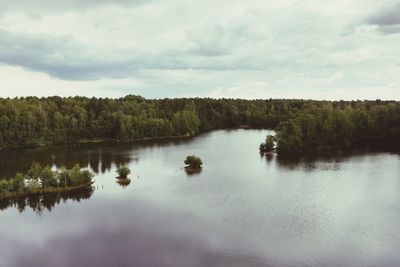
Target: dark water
point(241, 210)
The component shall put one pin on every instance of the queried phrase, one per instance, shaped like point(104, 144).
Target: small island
point(193, 164)
point(269, 145)
point(123, 172)
point(42, 180)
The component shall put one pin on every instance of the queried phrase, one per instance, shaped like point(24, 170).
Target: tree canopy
point(302, 125)
point(193, 161)
point(123, 171)
point(338, 126)
point(268, 145)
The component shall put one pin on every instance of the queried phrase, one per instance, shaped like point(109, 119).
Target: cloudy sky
point(336, 49)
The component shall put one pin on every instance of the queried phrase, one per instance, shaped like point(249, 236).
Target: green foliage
point(5, 186)
point(123, 171)
point(18, 183)
point(335, 126)
point(35, 170)
point(76, 176)
point(193, 161)
point(268, 145)
point(48, 177)
point(63, 177)
point(302, 125)
point(185, 123)
point(32, 121)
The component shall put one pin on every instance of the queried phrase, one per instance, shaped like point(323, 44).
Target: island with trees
point(193, 164)
point(269, 145)
point(301, 126)
point(43, 180)
point(123, 172)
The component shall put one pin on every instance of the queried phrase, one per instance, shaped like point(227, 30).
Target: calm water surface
point(241, 210)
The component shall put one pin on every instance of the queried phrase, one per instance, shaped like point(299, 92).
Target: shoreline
point(101, 141)
point(139, 140)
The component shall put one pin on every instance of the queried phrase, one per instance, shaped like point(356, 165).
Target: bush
point(4, 186)
point(86, 176)
point(35, 170)
point(75, 176)
point(123, 171)
point(63, 177)
point(193, 161)
point(48, 177)
point(17, 183)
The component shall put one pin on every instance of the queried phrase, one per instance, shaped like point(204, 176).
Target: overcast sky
point(336, 49)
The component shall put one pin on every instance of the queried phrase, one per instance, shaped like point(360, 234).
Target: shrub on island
point(268, 146)
point(123, 172)
point(40, 180)
point(193, 162)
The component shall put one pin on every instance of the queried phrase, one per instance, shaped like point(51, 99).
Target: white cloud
point(289, 48)
point(19, 82)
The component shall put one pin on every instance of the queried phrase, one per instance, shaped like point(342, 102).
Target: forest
point(301, 125)
point(333, 127)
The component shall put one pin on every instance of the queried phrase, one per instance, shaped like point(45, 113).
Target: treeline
point(336, 126)
point(40, 180)
point(302, 125)
point(32, 121)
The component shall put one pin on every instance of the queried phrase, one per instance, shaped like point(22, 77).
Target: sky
point(310, 49)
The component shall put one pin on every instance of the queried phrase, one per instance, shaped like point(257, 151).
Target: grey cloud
point(243, 43)
point(59, 57)
point(66, 58)
point(388, 20)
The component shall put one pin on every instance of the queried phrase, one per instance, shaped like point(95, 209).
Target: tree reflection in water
point(193, 171)
point(100, 158)
point(40, 203)
point(123, 182)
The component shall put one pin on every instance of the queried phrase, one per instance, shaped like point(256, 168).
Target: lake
point(243, 209)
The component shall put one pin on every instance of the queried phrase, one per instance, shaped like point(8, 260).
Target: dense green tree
point(35, 170)
point(268, 145)
point(123, 171)
point(193, 161)
point(18, 183)
point(48, 177)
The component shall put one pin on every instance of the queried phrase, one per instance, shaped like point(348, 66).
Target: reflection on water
point(99, 157)
point(123, 182)
point(39, 203)
point(327, 162)
point(193, 171)
point(242, 209)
